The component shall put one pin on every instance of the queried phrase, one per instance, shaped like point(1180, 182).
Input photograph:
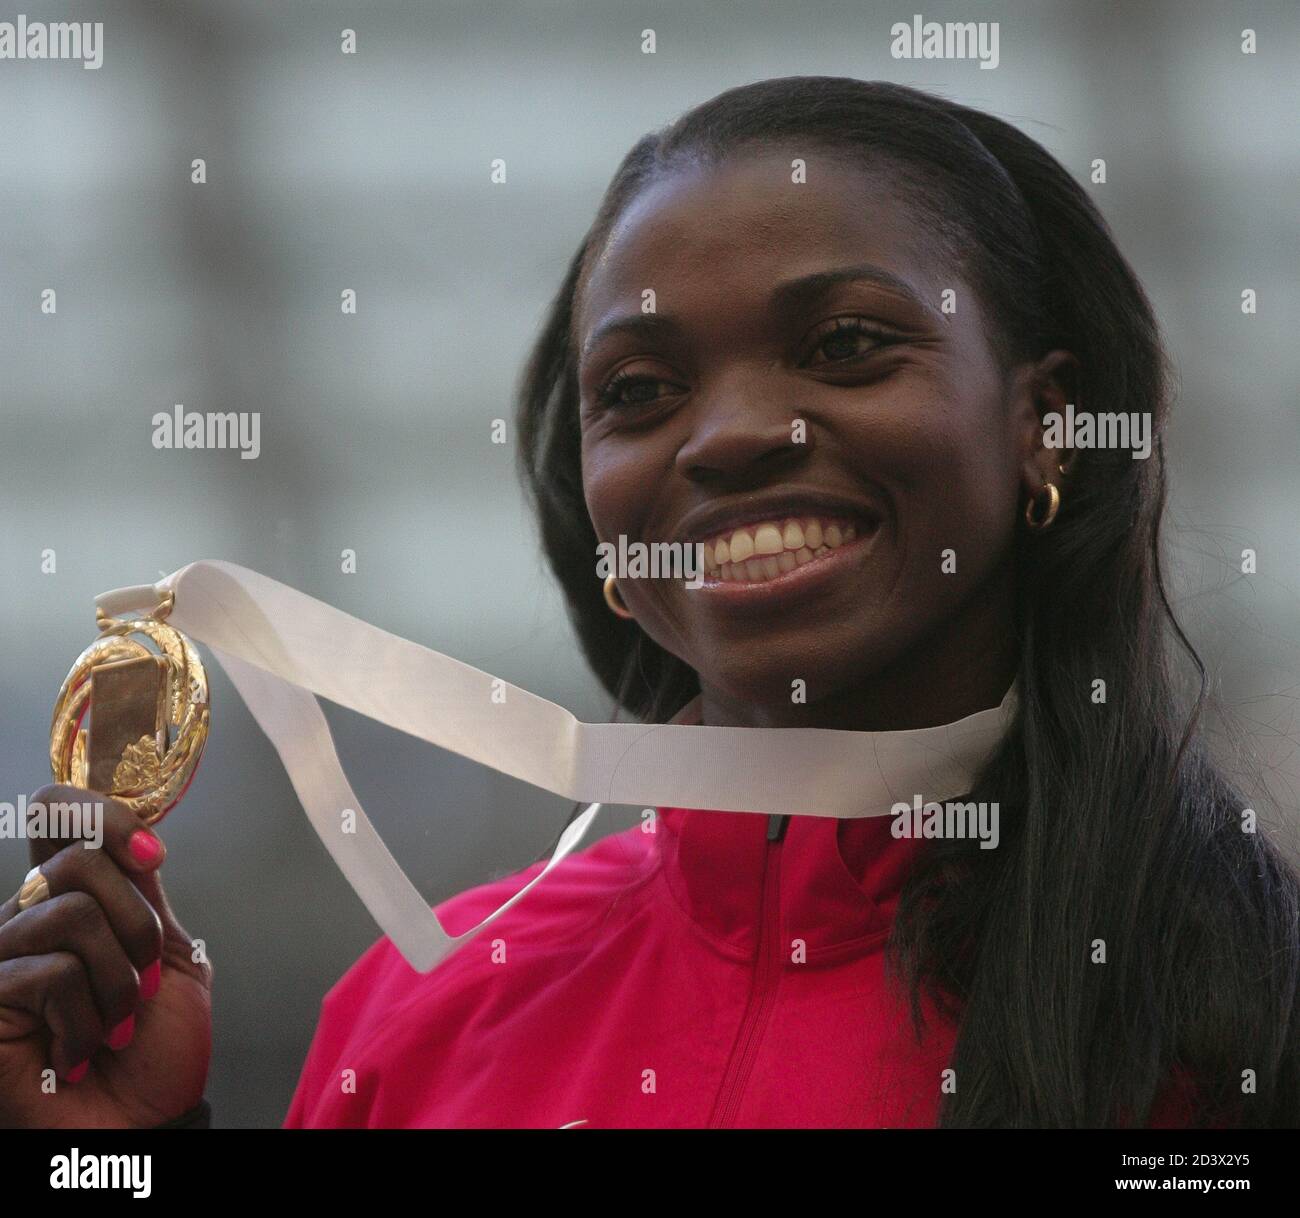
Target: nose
point(742, 433)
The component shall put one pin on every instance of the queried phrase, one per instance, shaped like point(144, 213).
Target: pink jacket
point(688, 972)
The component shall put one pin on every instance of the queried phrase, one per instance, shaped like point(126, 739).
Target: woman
point(867, 304)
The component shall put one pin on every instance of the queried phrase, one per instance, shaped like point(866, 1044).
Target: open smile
point(782, 559)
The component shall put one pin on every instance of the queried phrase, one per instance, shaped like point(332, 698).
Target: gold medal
point(148, 714)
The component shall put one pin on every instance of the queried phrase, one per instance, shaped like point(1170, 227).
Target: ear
point(1041, 393)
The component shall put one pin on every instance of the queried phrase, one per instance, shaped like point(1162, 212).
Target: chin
point(768, 685)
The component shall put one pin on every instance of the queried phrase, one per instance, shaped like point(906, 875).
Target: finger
point(59, 815)
point(54, 990)
point(75, 924)
point(179, 948)
point(132, 919)
point(150, 885)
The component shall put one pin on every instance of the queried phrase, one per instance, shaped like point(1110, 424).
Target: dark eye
point(847, 338)
point(629, 389)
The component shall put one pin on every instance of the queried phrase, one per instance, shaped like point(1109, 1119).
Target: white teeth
point(768, 540)
point(775, 547)
point(742, 546)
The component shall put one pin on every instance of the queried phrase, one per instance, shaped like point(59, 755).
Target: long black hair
point(1135, 926)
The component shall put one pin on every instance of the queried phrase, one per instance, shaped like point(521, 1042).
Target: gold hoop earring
point(1040, 523)
point(614, 599)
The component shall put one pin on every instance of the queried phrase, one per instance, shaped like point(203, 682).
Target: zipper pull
point(776, 827)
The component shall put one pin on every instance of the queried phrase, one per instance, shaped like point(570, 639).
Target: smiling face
point(800, 396)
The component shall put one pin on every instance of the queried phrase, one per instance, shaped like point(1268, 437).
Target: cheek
point(615, 478)
point(603, 486)
point(948, 462)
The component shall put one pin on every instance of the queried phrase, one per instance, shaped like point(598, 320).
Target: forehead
point(720, 232)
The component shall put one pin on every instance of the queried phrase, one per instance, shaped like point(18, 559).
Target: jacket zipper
point(766, 974)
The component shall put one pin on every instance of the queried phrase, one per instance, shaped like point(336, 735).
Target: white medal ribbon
point(282, 649)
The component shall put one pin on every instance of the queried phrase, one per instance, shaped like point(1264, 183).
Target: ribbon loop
point(282, 649)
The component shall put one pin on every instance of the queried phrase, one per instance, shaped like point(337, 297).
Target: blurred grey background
point(371, 171)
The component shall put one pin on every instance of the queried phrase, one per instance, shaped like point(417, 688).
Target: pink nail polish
point(121, 1035)
point(151, 978)
point(144, 847)
point(77, 1073)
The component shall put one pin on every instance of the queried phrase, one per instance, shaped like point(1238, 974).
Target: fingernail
point(77, 1073)
point(151, 978)
point(144, 847)
point(121, 1035)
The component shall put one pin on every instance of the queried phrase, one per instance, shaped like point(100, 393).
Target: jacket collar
point(835, 883)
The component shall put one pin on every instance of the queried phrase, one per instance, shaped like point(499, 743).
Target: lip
point(706, 523)
point(790, 586)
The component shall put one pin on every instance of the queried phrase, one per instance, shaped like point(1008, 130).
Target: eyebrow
point(785, 297)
